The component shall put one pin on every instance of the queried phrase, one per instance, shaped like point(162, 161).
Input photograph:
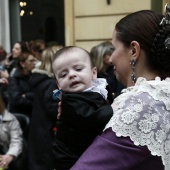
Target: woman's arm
point(15, 143)
point(109, 152)
point(15, 132)
point(16, 96)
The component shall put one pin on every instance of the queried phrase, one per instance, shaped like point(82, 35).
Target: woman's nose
point(110, 60)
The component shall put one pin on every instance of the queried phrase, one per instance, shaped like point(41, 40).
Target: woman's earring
point(132, 63)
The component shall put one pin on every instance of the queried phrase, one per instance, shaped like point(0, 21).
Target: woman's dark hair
point(24, 46)
point(144, 27)
point(35, 45)
point(22, 58)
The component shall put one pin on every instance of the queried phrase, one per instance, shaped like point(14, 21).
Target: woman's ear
point(94, 71)
point(135, 49)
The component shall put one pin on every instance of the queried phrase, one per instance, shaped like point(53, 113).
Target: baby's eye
point(78, 68)
point(62, 75)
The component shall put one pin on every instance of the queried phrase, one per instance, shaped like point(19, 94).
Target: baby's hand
point(57, 94)
point(59, 110)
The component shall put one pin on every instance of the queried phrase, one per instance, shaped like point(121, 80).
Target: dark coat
point(84, 115)
point(43, 118)
point(19, 85)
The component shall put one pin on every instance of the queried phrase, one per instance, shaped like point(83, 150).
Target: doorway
point(42, 19)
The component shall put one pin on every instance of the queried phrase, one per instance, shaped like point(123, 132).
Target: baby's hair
point(69, 49)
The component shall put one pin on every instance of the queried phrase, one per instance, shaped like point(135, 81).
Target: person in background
point(10, 138)
point(3, 71)
point(4, 90)
point(85, 110)
point(41, 134)
point(19, 89)
point(37, 47)
point(3, 74)
point(3, 54)
point(12, 58)
point(137, 135)
point(100, 55)
point(55, 48)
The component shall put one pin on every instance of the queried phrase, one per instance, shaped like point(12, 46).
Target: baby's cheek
point(64, 85)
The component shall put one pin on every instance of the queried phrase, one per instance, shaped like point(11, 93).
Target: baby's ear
point(94, 70)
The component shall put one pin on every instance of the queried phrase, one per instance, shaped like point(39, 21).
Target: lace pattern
point(142, 112)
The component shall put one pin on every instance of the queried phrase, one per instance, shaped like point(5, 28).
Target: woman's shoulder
point(142, 112)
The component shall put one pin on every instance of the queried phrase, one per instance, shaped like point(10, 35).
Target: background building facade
point(66, 22)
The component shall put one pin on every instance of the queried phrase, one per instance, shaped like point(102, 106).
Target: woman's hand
point(3, 81)
point(5, 160)
point(4, 74)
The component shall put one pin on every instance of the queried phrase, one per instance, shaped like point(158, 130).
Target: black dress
point(84, 115)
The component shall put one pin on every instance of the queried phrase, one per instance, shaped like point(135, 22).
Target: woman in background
point(37, 47)
point(13, 58)
point(3, 54)
point(100, 55)
point(19, 89)
point(44, 113)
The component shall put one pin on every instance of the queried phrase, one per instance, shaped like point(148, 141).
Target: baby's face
point(73, 71)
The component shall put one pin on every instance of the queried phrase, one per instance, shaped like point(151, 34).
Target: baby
point(85, 110)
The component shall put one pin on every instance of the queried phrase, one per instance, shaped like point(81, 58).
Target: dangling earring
point(132, 63)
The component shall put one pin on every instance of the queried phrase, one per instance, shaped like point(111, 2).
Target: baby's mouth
point(74, 83)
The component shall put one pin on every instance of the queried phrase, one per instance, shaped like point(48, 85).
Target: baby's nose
point(72, 74)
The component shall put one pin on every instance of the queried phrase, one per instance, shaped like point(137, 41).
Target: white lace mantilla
point(142, 112)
